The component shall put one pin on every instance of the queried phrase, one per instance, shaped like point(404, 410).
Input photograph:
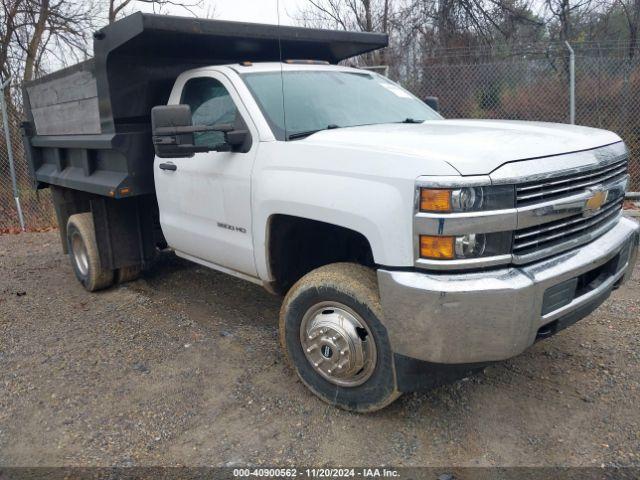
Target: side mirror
point(173, 133)
point(433, 103)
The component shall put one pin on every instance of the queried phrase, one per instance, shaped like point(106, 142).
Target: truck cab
point(410, 250)
point(217, 206)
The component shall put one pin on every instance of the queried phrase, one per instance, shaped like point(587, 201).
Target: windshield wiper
point(297, 135)
point(411, 120)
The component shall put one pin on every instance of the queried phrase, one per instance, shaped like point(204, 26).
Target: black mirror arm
point(189, 149)
point(181, 130)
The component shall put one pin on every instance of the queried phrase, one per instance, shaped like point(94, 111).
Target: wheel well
point(298, 245)
point(127, 230)
point(68, 202)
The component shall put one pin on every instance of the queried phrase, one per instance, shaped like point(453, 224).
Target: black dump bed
point(88, 126)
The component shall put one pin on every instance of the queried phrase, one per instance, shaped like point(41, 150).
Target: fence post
point(572, 84)
point(12, 170)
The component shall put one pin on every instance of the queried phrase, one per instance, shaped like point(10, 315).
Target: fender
point(367, 191)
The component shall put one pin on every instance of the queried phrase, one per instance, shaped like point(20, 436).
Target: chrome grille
point(532, 239)
point(562, 186)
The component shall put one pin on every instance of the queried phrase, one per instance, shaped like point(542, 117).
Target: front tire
point(83, 253)
point(331, 331)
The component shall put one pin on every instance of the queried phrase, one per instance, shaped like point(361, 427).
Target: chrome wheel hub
point(338, 344)
point(79, 252)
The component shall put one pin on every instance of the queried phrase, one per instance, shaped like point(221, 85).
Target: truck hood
point(472, 147)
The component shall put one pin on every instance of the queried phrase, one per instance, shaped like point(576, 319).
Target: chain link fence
point(529, 85)
point(37, 208)
point(535, 85)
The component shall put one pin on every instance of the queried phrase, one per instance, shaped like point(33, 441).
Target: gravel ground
point(183, 367)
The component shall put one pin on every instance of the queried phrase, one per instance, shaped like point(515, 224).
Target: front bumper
point(468, 318)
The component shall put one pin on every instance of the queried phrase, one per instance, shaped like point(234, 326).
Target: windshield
point(316, 100)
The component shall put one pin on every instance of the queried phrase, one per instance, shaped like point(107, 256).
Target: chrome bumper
point(496, 314)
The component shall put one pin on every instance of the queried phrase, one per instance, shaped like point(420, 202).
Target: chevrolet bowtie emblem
point(596, 201)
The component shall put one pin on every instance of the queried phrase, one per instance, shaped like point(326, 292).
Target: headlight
point(471, 245)
point(467, 199)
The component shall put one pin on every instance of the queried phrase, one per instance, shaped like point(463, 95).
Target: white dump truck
point(410, 249)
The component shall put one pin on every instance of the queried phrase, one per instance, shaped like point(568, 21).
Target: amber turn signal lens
point(437, 248)
point(435, 200)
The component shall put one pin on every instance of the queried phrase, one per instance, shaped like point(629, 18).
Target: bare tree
point(359, 15)
point(567, 13)
point(631, 10)
point(118, 8)
point(35, 32)
point(32, 49)
point(12, 22)
point(446, 22)
point(58, 31)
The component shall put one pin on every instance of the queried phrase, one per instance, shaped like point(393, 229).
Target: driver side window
point(210, 104)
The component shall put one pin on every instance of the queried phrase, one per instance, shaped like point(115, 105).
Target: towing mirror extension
point(173, 133)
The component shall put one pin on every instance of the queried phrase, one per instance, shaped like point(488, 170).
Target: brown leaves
point(17, 230)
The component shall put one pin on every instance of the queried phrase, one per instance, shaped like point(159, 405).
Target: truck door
point(204, 200)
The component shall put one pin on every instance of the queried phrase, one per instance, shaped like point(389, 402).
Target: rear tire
point(127, 274)
point(83, 253)
point(331, 332)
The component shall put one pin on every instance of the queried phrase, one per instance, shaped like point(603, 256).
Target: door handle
point(168, 166)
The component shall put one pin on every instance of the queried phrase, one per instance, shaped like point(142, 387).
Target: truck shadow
point(223, 305)
point(210, 295)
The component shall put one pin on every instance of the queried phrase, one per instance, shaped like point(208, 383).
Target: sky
point(262, 11)
point(258, 11)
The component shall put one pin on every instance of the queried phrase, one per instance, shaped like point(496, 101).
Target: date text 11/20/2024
point(316, 473)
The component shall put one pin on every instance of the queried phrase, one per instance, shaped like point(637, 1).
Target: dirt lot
point(183, 367)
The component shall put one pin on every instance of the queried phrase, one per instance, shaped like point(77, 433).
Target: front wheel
point(331, 331)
